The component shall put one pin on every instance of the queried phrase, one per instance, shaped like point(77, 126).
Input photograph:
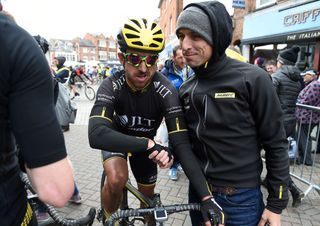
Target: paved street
point(87, 166)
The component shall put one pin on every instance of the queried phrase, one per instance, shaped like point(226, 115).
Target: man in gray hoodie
point(232, 111)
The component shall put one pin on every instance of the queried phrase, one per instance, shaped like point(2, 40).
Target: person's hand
point(161, 155)
point(162, 158)
point(269, 218)
point(212, 213)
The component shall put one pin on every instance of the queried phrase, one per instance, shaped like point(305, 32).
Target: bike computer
point(160, 214)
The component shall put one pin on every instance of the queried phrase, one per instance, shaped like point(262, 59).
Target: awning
point(285, 38)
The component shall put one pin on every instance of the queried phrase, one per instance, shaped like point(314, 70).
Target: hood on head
point(61, 60)
point(220, 24)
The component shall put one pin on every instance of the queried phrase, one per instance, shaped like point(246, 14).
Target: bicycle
point(128, 217)
point(56, 219)
point(89, 92)
point(97, 80)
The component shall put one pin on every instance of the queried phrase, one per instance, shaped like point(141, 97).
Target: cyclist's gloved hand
point(158, 147)
point(211, 211)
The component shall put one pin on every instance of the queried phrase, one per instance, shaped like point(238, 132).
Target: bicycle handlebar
point(83, 221)
point(143, 211)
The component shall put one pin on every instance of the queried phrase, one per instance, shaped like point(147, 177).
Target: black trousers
point(305, 143)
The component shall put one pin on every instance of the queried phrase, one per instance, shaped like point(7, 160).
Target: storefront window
point(306, 55)
point(261, 3)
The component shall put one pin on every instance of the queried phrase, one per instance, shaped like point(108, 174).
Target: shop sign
point(283, 23)
point(301, 17)
point(304, 35)
point(239, 4)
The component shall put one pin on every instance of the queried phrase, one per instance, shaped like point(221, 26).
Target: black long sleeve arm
point(179, 139)
point(102, 136)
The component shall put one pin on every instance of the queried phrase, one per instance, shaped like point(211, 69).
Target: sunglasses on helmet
point(135, 59)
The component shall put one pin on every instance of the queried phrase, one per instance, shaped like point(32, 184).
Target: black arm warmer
point(102, 136)
point(182, 149)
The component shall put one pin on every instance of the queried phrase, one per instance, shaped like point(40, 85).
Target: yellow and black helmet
point(138, 34)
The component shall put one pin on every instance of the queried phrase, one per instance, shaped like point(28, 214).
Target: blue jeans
point(244, 208)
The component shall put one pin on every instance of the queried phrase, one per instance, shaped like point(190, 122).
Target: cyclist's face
point(139, 68)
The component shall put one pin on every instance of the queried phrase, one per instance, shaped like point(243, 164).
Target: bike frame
point(151, 205)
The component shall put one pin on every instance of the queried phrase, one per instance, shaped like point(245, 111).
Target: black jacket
point(232, 112)
point(287, 83)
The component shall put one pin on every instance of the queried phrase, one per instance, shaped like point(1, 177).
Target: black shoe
point(297, 194)
point(77, 94)
point(297, 198)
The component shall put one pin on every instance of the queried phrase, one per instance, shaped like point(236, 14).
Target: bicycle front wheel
point(89, 92)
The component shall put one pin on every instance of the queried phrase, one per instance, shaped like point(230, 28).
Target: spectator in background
point(62, 72)
point(234, 53)
point(271, 66)
point(318, 147)
point(176, 71)
point(105, 72)
point(286, 81)
point(287, 85)
point(259, 62)
point(309, 75)
point(310, 95)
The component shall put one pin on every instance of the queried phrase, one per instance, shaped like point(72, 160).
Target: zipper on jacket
point(205, 104)
point(199, 123)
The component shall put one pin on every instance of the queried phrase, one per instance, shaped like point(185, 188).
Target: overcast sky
point(67, 19)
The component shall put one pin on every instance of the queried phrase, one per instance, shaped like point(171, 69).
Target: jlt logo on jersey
point(118, 83)
point(161, 89)
point(134, 121)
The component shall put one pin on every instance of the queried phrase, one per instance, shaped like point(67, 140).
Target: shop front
point(290, 23)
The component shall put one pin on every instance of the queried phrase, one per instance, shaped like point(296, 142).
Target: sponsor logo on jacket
point(225, 95)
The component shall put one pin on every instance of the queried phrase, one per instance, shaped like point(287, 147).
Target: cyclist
point(127, 113)
point(77, 75)
point(27, 118)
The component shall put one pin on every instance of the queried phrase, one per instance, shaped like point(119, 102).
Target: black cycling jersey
point(121, 120)
point(27, 116)
point(137, 113)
